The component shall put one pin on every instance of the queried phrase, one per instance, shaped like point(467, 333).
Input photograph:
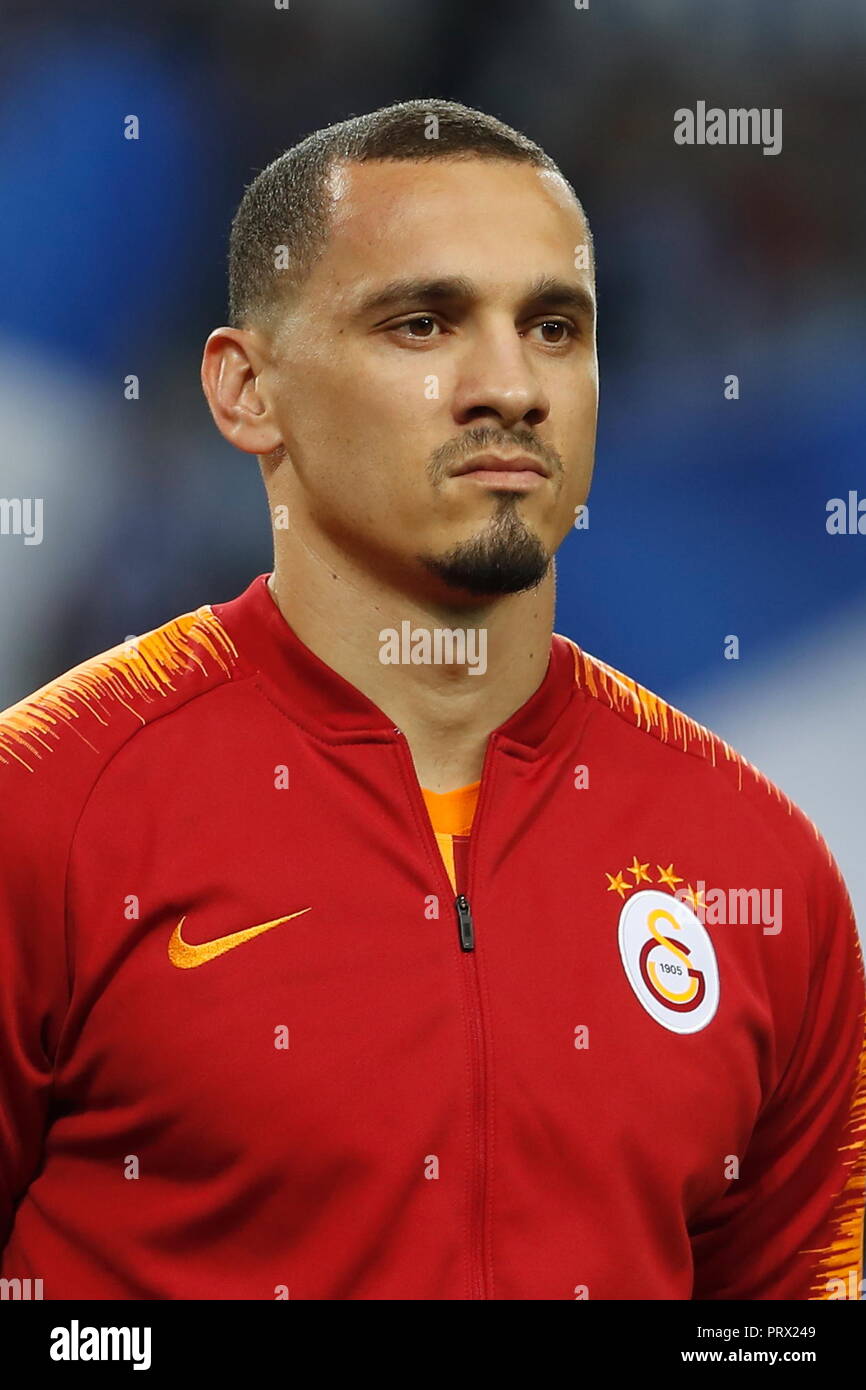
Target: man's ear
point(232, 361)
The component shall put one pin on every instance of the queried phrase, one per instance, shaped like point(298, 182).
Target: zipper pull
point(464, 923)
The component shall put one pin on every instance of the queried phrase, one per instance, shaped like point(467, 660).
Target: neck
point(447, 709)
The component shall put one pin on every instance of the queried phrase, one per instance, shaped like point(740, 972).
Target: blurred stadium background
point(707, 516)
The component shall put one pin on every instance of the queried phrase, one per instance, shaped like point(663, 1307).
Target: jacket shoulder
point(73, 725)
point(643, 710)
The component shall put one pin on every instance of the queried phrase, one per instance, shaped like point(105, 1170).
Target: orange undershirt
point(451, 814)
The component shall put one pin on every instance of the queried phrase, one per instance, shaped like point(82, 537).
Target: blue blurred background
point(707, 516)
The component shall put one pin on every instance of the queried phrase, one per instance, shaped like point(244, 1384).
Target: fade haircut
point(281, 225)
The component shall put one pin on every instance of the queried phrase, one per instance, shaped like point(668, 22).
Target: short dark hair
point(284, 210)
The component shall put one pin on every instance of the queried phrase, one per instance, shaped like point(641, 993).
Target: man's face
point(487, 346)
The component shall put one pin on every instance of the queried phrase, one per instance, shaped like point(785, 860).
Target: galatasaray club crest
point(666, 951)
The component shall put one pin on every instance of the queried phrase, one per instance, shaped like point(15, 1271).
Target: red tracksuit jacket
point(258, 1043)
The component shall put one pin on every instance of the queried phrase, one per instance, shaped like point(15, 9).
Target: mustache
point(486, 437)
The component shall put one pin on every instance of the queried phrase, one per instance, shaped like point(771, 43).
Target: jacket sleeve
point(33, 969)
point(791, 1226)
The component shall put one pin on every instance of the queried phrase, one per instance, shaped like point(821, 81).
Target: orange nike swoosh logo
point(187, 956)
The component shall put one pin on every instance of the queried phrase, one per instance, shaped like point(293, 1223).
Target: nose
point(497, 382)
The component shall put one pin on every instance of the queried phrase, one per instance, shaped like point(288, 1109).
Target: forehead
point(488, 219)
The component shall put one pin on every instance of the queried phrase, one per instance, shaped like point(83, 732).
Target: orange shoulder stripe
point(131, 671)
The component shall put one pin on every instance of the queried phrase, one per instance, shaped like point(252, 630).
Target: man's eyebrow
point(414, 289)
point(549, 293)
point(546, 294)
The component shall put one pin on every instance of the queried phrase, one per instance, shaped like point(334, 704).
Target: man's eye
point(426, 321)
point(560, 327)
point(555, 332)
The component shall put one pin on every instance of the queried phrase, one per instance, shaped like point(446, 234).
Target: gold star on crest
point(617, 884)
point(667, 876)
point(695, 898)
point(638, 870)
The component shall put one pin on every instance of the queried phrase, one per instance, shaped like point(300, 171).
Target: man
point(355, 932)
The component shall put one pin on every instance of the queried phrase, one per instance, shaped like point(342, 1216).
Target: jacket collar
point(320, 699)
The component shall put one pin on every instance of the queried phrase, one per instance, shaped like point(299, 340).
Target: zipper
point(477, 1219)
point(466, 939)
point(465, 924)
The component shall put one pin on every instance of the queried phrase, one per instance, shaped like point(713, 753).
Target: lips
point(496, 463)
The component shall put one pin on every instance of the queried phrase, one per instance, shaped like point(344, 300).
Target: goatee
point(506, 558)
